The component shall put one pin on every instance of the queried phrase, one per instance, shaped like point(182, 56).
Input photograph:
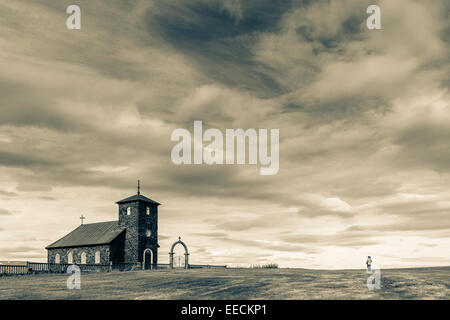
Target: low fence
point(41, 267)
point(37, 267)
point(13, 269)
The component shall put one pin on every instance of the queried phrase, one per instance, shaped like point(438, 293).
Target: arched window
point(148, 211)
point(97, 257)
point(70, 258)
point(83, 258)
point(57, 258)
point(128, 211)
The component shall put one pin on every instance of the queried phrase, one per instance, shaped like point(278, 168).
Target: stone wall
point(148, 222)
point(90, 254)
point(117, 248)
point(137, 224)
point(131, 222)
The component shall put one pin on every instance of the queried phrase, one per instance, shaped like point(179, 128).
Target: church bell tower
point(139, 215)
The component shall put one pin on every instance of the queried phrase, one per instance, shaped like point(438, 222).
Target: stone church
point(131, 239)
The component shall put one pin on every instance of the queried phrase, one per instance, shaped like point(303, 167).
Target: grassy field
point(419, 283)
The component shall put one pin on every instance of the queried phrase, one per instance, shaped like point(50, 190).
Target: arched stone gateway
point(147, 259)
point(186, 253)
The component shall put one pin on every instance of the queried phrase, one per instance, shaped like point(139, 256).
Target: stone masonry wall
point(117, 248)
point(90, 254)
point(148, 222)
point(137, 223)
point(132, 235)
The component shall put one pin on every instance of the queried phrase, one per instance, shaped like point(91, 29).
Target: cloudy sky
point(363, 116)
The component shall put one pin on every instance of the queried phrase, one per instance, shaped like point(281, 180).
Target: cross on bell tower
point(82, 218)
point(139, 187)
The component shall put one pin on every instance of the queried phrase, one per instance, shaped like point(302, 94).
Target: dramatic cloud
point(4, 212)
point(363, 118)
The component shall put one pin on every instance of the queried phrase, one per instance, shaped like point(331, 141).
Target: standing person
point(369, 263)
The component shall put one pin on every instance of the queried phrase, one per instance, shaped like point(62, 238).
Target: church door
point(147, 263)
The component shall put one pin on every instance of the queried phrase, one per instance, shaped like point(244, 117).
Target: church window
point(70, 258)
point(83, 258)
point(97, 257)
point(57, 258)
point(128, 211)
point(148, 211)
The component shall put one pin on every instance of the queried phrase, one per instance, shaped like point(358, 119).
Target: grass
point(418, 283)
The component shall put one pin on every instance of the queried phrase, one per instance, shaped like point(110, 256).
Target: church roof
point(89, 234)
point(138, 197)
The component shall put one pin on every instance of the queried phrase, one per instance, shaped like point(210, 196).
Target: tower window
point(128, 211)
point(148, 233)
point(70, 258)
point(83, 258)
point(57, 258)
point(148, 211)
